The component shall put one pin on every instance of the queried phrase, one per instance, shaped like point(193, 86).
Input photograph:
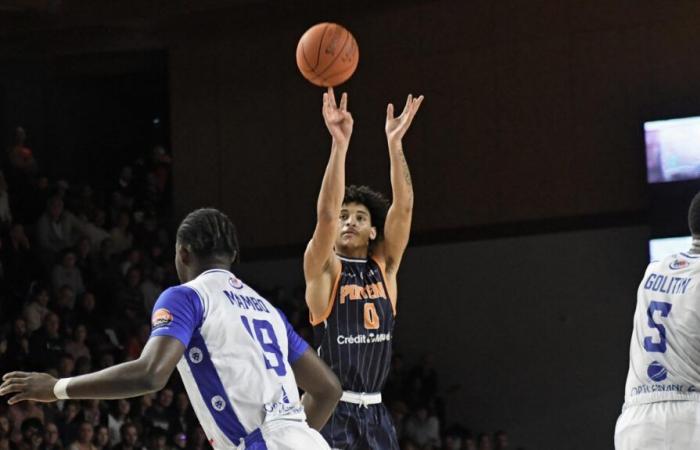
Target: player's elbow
point(332, 389)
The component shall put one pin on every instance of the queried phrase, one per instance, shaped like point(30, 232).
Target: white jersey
point(665, 347)
point(236, 366)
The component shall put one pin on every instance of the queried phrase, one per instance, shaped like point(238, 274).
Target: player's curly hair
point(694, 215)
point(375, 202)
point(209, 233)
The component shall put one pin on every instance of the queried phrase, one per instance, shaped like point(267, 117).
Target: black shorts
point(354, 427)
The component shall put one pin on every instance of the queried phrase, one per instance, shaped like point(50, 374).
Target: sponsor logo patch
point(161, 318)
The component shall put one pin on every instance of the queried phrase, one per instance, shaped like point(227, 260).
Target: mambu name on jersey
point(245, 302)
point(364, 338)
point(649, 388)
point(666, 284)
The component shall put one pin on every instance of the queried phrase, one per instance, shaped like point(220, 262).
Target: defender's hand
point(396, 127)
point(28, 386)
point(338, 119)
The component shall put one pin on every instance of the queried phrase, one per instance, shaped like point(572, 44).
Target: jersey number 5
point(265, 335)
point(664, 309)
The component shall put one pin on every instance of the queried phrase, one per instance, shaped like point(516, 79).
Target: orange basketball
point(327, 54)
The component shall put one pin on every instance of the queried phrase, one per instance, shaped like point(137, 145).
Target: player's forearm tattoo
point(406, 172)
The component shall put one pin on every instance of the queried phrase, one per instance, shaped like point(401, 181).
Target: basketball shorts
point(672, 425)
point(284, 435)
point(356, 427)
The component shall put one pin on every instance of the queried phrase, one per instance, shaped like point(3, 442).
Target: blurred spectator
point(86, 260)
point(52, 439)
point(56, 230)
point(158, 440)
point(18, 344)
point(161, 414)
point(84, 440)
point(46, 344)
point(184, 415)
point(485, 442)
point(66, 273)
point(37, 309)
point(94, 229)
point(180, 440)
point(118, 416)
point(408, 444)
point(18, 260)
point(423, 428)
point(137, 340)
point(76, 346)
point(32, 434)
point(69, 421)
point(101, 440)
point(129, 299)
point(122, 238)
point(129, 438)
point(151, 288)
point(66, 365)
point(19, 413)
point(92, 412)
point(500, 440)
point(197, 440)
point(5, 213)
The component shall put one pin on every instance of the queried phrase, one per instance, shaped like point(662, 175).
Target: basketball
point(327, 54)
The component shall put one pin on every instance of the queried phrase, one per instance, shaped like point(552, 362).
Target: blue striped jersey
point(354, 337)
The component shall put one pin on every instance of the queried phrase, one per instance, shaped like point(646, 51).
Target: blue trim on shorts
point(255, 441)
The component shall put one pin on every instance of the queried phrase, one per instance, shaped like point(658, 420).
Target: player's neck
point(199, 269)
point(353, 253)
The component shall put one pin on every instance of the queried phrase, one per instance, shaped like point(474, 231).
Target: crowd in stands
point(80, 270)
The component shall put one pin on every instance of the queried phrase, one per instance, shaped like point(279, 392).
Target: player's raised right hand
point(338, 119)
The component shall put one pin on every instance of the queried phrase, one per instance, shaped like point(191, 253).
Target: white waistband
point(361, 398)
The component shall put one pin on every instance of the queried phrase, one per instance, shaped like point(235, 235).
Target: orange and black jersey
point(354, 336)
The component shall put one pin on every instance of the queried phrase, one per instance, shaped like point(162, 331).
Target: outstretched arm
point(398, 220)
point(322, 388)
point(148, 373)
point(318, 260)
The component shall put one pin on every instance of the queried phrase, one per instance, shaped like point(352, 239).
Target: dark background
point(532, 211)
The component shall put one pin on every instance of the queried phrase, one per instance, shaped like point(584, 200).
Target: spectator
point(69, 421)
point(46, 345)
point(500, 440)
point(118, 416)
point(94, 229)
point(5, 213)
point(86, 261)
point(184, 415)
point(52, 439)
point(137, 340)
point(37, 309)
point(485, 442)
point(66, 365)
point(21, 412)
point(76, 347)
point(18, 344)
point(101, 440)
point(129, 438)
point(19, 261)
point(423, 428)
point(158, 440)
point(67, 273)
point(152, 287)
point(180, 441)
point(85, 435)
point(32, 434)
point(161, 414)
point(122, 239)
point(56, 230)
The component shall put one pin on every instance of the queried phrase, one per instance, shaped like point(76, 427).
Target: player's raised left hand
point(28, 386)
point(396, 127)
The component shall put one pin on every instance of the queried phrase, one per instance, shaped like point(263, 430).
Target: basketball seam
point(330, 64)
point(320, 44)
point(338, 73)
point(308, 64)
